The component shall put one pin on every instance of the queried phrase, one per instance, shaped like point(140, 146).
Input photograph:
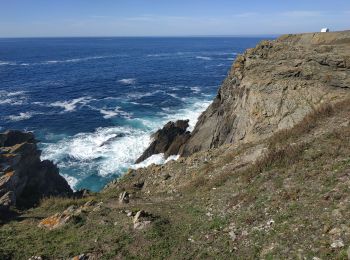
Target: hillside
point(265, 174)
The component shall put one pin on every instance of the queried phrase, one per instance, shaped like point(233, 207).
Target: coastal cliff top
point(267, 174)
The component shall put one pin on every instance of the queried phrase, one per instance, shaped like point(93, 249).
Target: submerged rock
point(167, 140)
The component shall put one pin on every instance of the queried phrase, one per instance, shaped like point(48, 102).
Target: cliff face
point(273, 86)
point(282, 197)
point(24, 178)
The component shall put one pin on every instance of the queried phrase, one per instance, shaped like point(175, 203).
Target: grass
point(298, 183)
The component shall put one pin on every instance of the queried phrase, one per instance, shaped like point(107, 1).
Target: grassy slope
point(292, 202)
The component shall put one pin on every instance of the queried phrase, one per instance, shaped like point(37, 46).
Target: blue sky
point(28, 18)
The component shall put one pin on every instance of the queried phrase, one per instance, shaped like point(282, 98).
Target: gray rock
point(274, 86)
point(168, 140)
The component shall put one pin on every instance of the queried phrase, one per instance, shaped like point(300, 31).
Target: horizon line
point(146, 36)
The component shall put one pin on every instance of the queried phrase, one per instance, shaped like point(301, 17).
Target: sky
point(53, 18)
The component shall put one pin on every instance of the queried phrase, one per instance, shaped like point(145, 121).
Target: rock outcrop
point(24, 178)
point(167, 140)
point(272, 87)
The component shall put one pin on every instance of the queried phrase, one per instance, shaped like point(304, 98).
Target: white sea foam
point(203, 58)
point(130, 81)
point(191, 113)
point(111, 150)
point(138, 95)
point(76, 59)
point(71, 105)
point(71, 180)
point(107, 113)
point(20, 116)
point(107, 150)
point(12, 98)
point(7, 63)
point(196, 89)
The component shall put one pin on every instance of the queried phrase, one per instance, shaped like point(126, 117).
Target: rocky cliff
point(274, 185)
point(273, 86)
point(24, 178)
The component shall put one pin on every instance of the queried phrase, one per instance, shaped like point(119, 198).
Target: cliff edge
point(24, 178)
point(272, 87)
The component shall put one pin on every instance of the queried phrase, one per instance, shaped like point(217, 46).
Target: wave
point(21, 116)
point(12, 98)
point(203, 58)
point(71, 105)
point(110, 151)
point(138, 95)
point(130, 81)
point(107, 114)
point(7, 63)
point(157, 159)
point(195, 89)
point(107, 151)
point(78, 59)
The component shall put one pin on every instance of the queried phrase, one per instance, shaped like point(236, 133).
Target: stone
point(141, 225)
point(167, 140)
point(139, 214)
point(7, 200)
point(337, 244)
point(124, 197)
point(232, 235)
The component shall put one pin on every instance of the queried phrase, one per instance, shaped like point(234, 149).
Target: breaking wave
point(71, 105)
point(131, 81)
point(110, 151)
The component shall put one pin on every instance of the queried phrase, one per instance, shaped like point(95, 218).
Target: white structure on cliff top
point(324, 30)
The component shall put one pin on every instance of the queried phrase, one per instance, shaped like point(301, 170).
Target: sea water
point(93, 102)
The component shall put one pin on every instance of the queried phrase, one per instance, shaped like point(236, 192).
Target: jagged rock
point(167, 140)
point(7, 200)
point(23, 174)
point(272, 87)
point(124, 197)
point(141, 220)
point(83, 193)
point(13, 137)
point(72, 212)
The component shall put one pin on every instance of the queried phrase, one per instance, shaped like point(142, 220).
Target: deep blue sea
point(93, 102)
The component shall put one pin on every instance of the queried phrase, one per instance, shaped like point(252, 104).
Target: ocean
point(93, 102)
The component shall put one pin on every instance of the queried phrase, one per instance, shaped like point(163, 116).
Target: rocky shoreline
point(264, 175)
point(24, 178)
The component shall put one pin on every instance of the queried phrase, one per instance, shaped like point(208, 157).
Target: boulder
point(167, 140)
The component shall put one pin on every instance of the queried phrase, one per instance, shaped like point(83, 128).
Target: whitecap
point(191, 112)
point(110, 151)
point(203, 58)
point(96, 152)
point(77, 59)
point(130, 81)
point(20, 116)
point(7, 63)
point(71, 181)
point(12, 98)
point(195, 89)
point(113, 113)
point(71, 105)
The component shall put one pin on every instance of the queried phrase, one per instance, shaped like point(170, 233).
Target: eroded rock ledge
point(24, 178)
point(272, 87)
point(168, 140)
